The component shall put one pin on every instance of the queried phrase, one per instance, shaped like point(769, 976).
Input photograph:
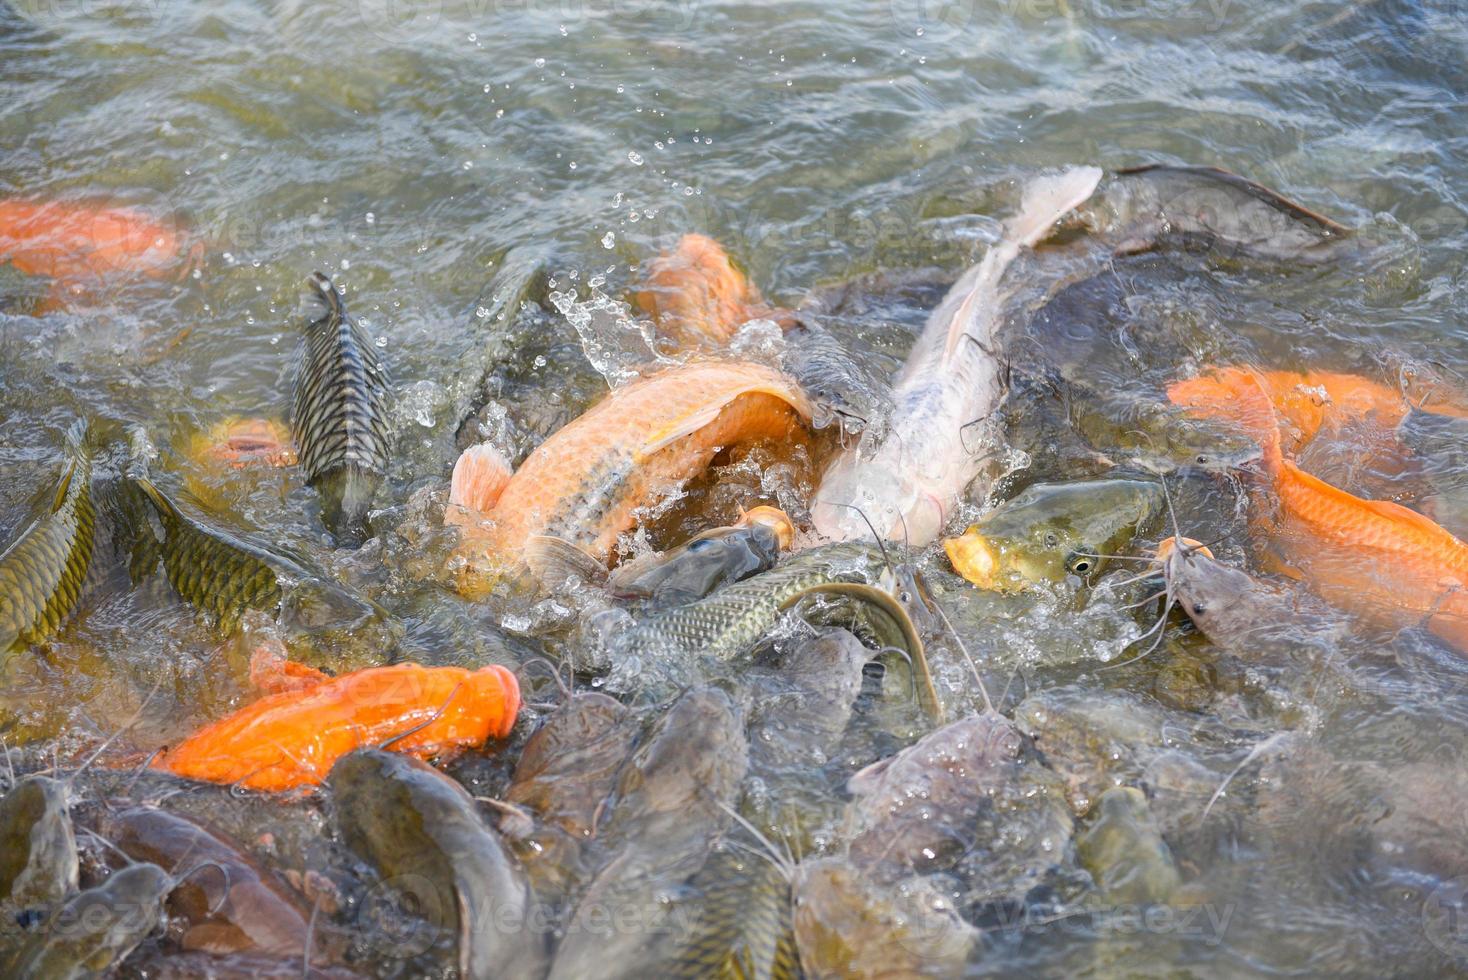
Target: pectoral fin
point(553, 560)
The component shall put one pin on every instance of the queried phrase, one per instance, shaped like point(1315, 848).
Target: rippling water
point(430, 154)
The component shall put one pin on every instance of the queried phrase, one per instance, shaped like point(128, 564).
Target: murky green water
point(434, 156)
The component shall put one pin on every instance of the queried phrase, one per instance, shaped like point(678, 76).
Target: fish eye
point(1082, 565)
point(1198, 610)
point(1203, 459)
point(1051, 539)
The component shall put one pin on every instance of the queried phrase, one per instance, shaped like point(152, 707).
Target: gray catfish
point(672, 800)
point(972, 794)
point(97, 929)
point(38, 859)
point(424, 833)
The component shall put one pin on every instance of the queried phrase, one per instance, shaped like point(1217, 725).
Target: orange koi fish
point(1374, 557)
point(292, 737)
point(586, 482)
point(68, 241)
point(696, 296)
point(1308, 401)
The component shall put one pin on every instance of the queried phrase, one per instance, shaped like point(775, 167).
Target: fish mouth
point(773, 518)
point(973, 558)
point(1167, 546)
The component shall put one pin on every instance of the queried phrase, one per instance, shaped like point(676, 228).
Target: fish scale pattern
point(341, 397)
point(744, 929)
point(42, 574)
point(210, 570)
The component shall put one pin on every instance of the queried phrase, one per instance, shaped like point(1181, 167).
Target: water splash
point(616, 343)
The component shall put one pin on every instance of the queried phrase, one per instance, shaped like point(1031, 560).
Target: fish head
point(1053, 532)
point(1212, 593)
point(494, 693)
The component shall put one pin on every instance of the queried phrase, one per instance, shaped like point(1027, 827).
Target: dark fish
point(1125, 852)
point(232, 907)
point(1238, 612)
point(850, 925)
point(569, 766)
point(799, 726)
point(340, 417)
point(672, 799)
point(743, 929)
point(841, 387)
point(424, 834)
point(96, 930)
point(38, 860)
point(732, 620)
point(972, 794)
point(566, 772)
point(225, 575)
point(700, 566)
point(1158, 204)
point(42, 573)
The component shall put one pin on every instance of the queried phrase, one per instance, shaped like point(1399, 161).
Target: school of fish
point(644, 714)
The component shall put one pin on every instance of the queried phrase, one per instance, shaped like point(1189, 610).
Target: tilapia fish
point(586, 482)
point(907, 478)
point(225, 575)
point(340, 416)
point(42, 573)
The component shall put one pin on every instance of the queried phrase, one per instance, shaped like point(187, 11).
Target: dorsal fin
point(777, 386)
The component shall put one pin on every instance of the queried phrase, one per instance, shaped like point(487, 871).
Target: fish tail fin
point(325, 290)
point(1047, 199)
